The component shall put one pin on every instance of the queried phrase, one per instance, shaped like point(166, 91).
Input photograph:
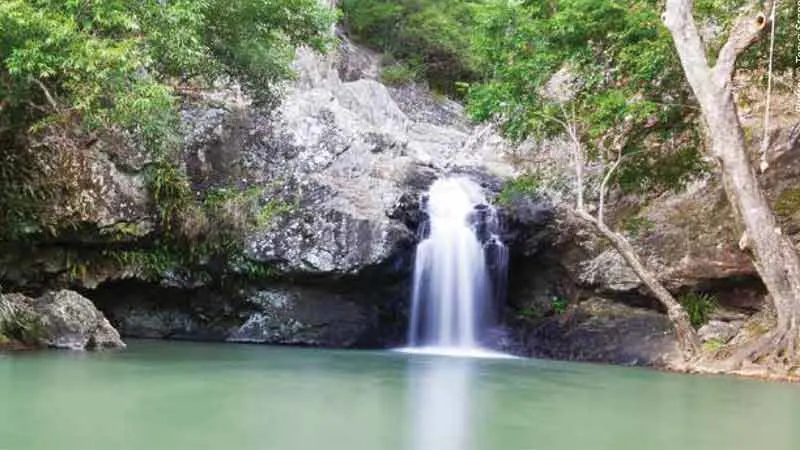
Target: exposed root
point(776, 349)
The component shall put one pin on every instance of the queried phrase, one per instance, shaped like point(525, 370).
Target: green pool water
point(177, 396)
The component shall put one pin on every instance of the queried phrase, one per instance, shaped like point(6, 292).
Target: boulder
point(63, 319)
point(719, 331)
point(602, 330)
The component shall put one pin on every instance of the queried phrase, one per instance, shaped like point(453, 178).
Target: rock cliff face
point(344, 154)
point(342, 162)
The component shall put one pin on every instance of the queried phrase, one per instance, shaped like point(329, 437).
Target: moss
point(713, 345)
point(755, 328)
point(24, 327)
point(788, 203)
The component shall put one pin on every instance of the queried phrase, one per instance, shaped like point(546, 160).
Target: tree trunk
point(773, 253)
point(684, 332)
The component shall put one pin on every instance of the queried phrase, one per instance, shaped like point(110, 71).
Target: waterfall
point(459, 269)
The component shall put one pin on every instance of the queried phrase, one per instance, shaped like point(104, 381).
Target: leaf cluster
point(432, 35)
point(75, 71)
point(618, 71)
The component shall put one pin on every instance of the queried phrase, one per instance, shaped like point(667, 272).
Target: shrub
point(398, 74)
point(524, 185)
point(433, 35)
point(699, 306)
point(559, 305)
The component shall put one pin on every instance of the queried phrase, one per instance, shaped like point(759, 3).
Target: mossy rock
point(787, 205)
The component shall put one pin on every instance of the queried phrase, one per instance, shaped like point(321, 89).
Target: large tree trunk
point(774, 255)
point(684, 332)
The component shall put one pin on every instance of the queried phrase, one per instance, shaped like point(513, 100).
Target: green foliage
point(151, 263)
point(524, 185)
point(724, 12)
point(699, 306)
point(430, 34)
point(619, 63)
point(662, 172)
point(559, 305)
point(531, 312)
point(202, 239)
point(537, 310)
point(713, 345)
point(169, 187)
point(636, 226)
point(399, 74)
point(74, 71)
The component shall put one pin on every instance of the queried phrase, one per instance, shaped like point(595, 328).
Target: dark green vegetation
point(73, 72)
point(430, 37)
point(699, 306)
point(524, 185)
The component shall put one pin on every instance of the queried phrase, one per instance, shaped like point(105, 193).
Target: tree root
point(776, 349)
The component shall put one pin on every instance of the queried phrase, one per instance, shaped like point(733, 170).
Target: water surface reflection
point(440, 403)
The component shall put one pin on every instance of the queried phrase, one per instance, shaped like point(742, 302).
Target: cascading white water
point(459, 268)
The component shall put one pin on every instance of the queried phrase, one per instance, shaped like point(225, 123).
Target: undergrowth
point(699, 306)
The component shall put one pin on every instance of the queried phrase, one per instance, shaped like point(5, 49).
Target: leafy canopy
point(75, 70)
point(429, 35)
point(113, 61)
point(619, 62)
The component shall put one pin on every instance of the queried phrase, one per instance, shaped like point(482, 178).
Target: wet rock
point(303, 316)
point(605, 331)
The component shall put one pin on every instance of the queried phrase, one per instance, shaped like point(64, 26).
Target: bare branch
point(47, 94)
point(794, 136)
point(569, 125)
point(745, 33)
point(577, 155)
point(604, 186)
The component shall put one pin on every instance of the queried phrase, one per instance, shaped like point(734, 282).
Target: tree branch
point(47, 94)
point(680, 22)
point(604, 186)
point(577, 155)
point(576, 150)
point(745, 33)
